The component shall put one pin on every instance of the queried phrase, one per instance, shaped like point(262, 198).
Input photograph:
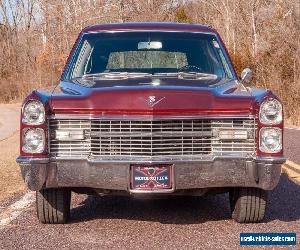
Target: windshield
point(140, 54)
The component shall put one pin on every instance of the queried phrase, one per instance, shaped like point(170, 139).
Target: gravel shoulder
point(11, 182)
point(9, 119)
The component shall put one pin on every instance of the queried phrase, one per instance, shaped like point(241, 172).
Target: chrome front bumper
point(39, 173)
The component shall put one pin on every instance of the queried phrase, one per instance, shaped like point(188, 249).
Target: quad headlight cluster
point(33, 139)
point(270, 140)
point(270, 137)
point(33, 113)
point(270, 112)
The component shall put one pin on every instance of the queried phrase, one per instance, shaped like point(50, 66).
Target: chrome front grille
point(184, 139)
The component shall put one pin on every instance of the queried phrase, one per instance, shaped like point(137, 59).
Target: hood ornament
point(152, 100)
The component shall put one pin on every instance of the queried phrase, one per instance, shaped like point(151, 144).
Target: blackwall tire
point(53, 205)
point(248, 205)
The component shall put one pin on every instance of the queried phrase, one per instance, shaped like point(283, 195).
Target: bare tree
point(36, 37)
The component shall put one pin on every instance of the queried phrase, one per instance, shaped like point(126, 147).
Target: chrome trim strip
point(140, 134)
point(156, 161)
point(279, 160)
point(31, 160)
point(147, 117)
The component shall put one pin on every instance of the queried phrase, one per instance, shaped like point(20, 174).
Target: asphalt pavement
point(174, 223)
point(291, 144)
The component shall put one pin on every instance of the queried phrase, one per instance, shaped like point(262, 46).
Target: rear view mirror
point(149, 45)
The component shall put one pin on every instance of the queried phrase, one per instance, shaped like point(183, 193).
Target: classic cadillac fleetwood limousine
point(151, 109)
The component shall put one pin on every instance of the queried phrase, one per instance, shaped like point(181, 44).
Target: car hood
point(174, 99)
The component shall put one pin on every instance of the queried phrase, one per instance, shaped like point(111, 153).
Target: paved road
point(292, 144)
point(181, 223)
point(177, 223)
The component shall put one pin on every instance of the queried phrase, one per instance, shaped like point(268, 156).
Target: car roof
point(149, 26)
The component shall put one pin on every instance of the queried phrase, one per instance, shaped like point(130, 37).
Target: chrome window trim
point(149, 30)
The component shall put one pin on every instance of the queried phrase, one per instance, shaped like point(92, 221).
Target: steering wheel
point(190, 68)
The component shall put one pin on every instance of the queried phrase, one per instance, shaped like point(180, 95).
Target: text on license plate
point(154, 177)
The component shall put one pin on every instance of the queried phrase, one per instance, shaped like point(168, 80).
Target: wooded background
point(36, 37)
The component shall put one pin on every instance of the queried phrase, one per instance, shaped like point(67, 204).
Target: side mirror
point(246, 76)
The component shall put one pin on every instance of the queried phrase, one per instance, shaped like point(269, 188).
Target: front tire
point(53, 205)
point(248, 205)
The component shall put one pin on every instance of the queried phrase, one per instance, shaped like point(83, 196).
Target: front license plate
point(151, 178)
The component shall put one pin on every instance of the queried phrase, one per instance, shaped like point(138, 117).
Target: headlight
point(33, 113)
point(33, 140)
point(270, 140)
point(270, 112)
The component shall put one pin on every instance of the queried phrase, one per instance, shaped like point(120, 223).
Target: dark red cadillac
point(151, 109)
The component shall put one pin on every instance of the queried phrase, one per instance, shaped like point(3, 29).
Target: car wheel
point(248, 205)
point(53, 205)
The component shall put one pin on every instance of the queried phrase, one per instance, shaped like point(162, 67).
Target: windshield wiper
point(116, 75)
point(188, 75)
point(173, 74)
point(127, 75)
point(196, 75)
